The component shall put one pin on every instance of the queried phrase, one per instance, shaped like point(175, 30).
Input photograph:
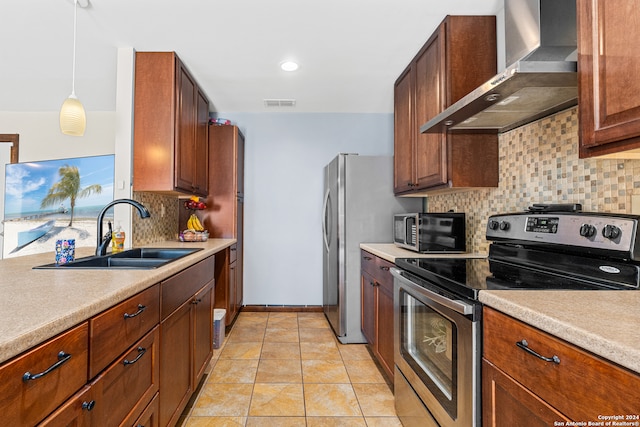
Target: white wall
point(107, 132)
point(41, 139)
point(285, 154)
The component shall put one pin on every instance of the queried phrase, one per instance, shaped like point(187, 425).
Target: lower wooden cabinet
point(186, 337)
point(507, 403)
point(149, 417)
point(113, 330)
point(135, 364)
point(120, 394)
point(522, 388)
point(377, 309)
point(175, 364)
point(229, 293)
point(37, 382)
point(77, 411)
point(203, 331)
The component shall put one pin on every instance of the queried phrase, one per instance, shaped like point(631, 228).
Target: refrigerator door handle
point(324, 220)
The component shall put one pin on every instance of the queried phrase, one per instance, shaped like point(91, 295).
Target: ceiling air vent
point(279, 103)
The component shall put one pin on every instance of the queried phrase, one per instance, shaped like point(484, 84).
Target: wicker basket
point(194, 236)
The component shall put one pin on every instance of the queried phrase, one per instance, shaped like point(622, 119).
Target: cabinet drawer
point(581, 386)
point(179, 288)
point(377, 267)
point(367, 262)
point(113, 331)
point(129, 384)
point(383, 274)
point(26, 402)
point(373, 264)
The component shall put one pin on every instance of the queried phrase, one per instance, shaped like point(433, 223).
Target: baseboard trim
point(282, 308)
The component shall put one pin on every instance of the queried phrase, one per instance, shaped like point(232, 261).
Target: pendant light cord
point(75, 25)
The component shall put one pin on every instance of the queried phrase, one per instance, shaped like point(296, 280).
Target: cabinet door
point(384, 322)
point(505, 403)
point(185, 130)
point(403, 130)
point(609, 88)
point(201, 154)
point(176, 355)
point(368, 310)
point(203, 330)
point(430, 154)
point(79, 411)
point(149, 417)
point(235, 288)
point(127, 386)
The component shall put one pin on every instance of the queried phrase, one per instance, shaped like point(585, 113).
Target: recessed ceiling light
point(289, 65)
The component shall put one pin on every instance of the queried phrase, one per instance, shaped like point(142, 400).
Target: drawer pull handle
point(141, 352)
point(62, 358)
point(368, 258)
point(196, 301)
point(384, 268)
point(525, 346)
point(88, 405)
point(141, 308)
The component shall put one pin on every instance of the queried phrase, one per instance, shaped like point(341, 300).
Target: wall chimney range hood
point(540, 78)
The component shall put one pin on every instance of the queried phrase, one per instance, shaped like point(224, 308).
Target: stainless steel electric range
point(438, 316)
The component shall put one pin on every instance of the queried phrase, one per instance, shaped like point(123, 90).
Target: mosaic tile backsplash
point(539, 164)
point(158, 227)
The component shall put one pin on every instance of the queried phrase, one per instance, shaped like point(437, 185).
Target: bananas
point(194, 223)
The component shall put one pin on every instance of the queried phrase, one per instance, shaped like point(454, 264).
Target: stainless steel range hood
point(540, 78)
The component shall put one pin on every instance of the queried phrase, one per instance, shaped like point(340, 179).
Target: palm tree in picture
point(68, 188)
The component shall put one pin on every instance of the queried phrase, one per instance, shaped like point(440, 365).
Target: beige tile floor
point(286, 370)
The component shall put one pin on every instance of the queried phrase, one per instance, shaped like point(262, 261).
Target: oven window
point(429, 347)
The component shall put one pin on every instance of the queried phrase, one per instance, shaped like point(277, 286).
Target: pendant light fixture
point(73, 119)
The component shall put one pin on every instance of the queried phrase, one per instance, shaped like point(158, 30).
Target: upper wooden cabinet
point(608, 84)
point(171, 115)
point(457, 58)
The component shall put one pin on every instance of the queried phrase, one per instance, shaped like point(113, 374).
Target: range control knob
point(587, 230)
point(611, 232)
point(504, 225)
point(493, 224)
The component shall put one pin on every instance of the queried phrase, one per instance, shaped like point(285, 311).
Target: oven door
point(437, 349)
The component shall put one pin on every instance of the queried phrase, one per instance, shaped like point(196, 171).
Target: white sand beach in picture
point(83, 231)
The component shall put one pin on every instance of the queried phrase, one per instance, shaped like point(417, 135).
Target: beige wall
point(539, 164)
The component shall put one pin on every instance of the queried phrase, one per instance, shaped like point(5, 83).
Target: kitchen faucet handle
point(109, 233)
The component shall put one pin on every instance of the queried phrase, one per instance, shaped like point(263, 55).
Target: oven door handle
point(456, 305)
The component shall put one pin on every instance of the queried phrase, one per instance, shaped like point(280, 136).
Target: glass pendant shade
point(73, 119)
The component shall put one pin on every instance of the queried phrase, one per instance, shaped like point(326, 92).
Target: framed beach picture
point(55, 199)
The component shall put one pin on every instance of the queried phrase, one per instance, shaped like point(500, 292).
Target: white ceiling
point(350, 51)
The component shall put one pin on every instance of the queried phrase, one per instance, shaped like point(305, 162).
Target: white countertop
point(36, 305)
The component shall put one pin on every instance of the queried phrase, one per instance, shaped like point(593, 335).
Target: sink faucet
point(103, 242)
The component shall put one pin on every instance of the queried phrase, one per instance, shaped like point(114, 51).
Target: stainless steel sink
point(137, 259)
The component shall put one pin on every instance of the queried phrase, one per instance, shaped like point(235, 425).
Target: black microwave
point(430, 232)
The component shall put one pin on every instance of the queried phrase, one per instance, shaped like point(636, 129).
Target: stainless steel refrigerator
point(358, 207)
